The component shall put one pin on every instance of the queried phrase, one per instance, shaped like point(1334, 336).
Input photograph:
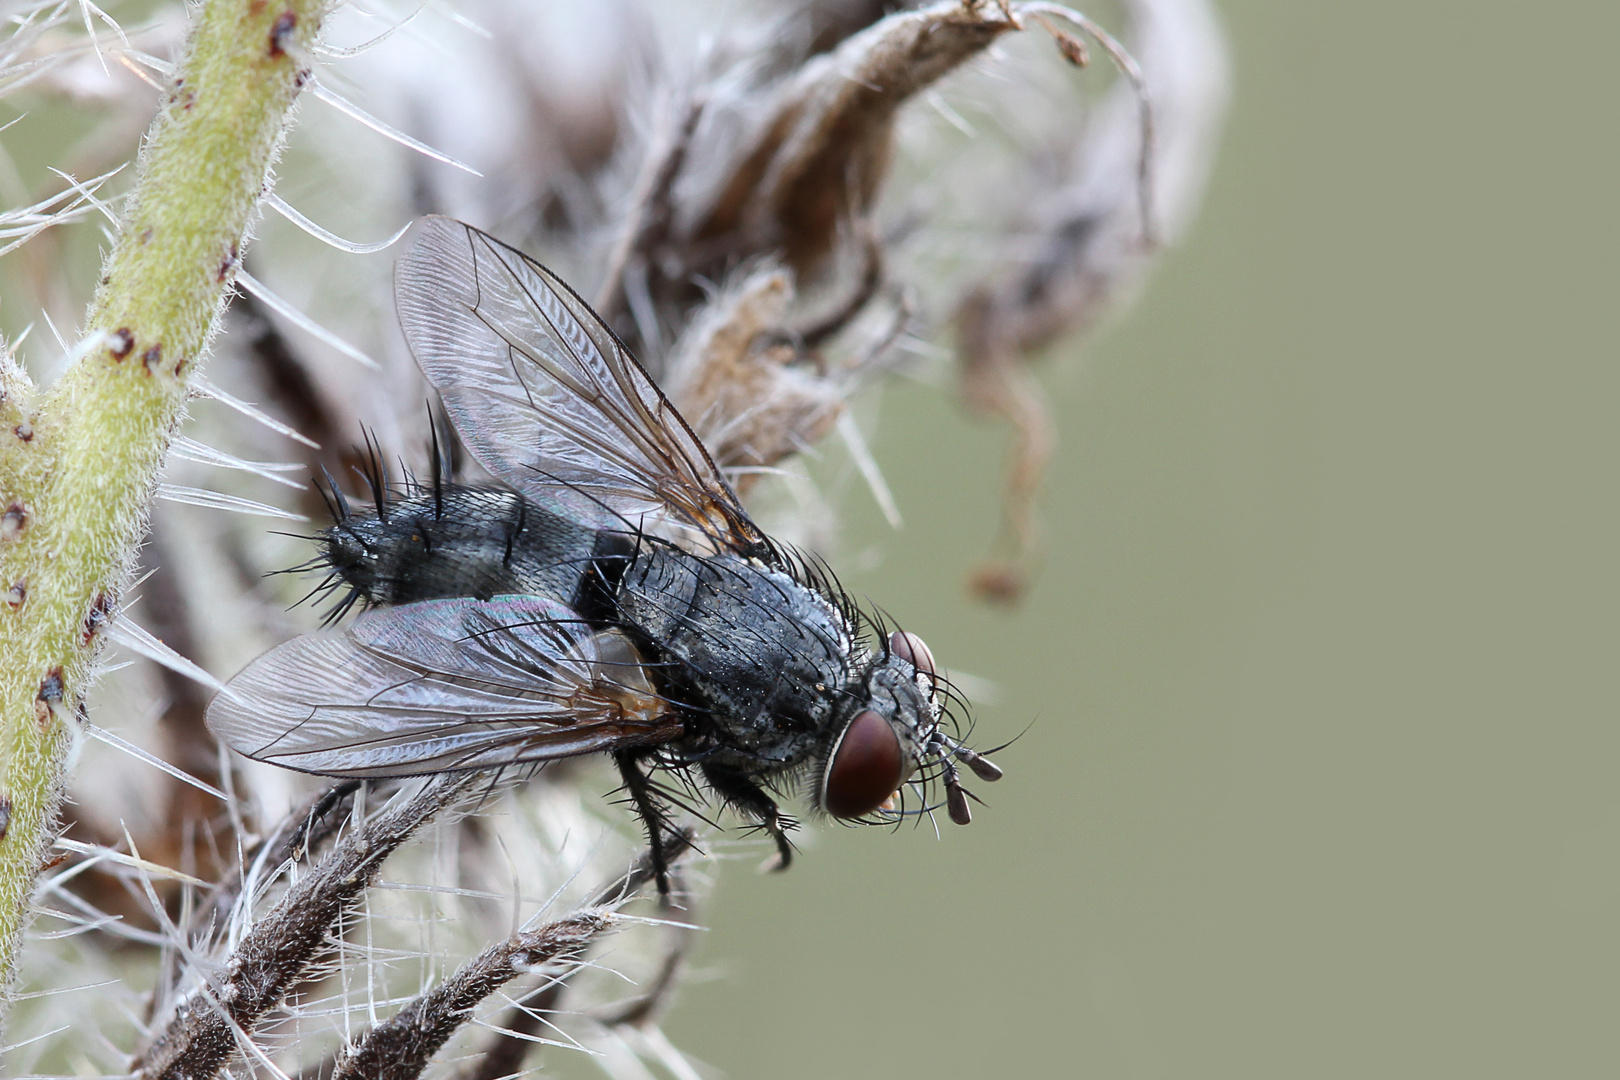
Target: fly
point(614, 597)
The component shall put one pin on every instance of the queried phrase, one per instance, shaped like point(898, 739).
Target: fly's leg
point(748, 797)
point(323, 806)
point(640, 790)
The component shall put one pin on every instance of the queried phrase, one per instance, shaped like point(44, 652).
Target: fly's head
point(893, 732)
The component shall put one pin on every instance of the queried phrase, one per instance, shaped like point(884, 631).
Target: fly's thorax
point(458, 541)
point(763, 657)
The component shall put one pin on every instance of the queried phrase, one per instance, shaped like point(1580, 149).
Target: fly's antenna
point(982, 767)
point(943, 748)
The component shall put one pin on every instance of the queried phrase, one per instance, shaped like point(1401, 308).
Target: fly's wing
point(438, 686)
point(546, 397)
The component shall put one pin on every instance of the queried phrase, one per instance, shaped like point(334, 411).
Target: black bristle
point(441, 465)
point(374, 472)
point(337, 504)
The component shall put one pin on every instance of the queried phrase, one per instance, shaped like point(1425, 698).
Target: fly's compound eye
point(914, 651)
point(866, 767)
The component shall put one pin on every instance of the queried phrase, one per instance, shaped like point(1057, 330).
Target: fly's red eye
point(914, 651)
point(866, 767)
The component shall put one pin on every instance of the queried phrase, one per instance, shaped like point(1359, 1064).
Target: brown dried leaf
point(779, 171)
point(822, 146)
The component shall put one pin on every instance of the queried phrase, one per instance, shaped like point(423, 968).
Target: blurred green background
point(1321, 780)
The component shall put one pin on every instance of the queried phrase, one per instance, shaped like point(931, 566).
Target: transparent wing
point(547, 399)
point(442, 685)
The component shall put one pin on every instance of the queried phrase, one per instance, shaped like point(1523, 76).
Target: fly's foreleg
point(639, 788)
point(749, 798)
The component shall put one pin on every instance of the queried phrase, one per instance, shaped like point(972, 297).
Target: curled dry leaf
point(739, 179)
point(822, 147)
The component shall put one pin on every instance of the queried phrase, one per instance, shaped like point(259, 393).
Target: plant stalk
point(78, 462)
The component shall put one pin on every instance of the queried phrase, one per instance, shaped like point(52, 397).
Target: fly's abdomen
point(460, 541)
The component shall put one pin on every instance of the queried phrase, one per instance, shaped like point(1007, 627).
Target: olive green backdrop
point(1322, 777)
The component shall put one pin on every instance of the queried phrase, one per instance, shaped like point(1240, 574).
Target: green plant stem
point(78, 462)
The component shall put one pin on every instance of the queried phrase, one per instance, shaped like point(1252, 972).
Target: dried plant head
point(747, 392)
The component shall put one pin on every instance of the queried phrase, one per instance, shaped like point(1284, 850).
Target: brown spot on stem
point(49, 696)
point(146, 235)
point(5, 815)
point(281, 33)
point(152, 358)
point(50, 687)
point(17, 594)
point(100, 611)
point(226, 265)
point(182, 94)
point(121, 342)
point(24, 430)
point(14, 522)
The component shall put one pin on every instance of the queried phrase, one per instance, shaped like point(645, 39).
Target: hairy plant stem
point(78, 462)
point(402, 1046)
point(283, 946)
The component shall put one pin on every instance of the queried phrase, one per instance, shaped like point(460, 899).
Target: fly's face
point(881, 745)
point(892, 733)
